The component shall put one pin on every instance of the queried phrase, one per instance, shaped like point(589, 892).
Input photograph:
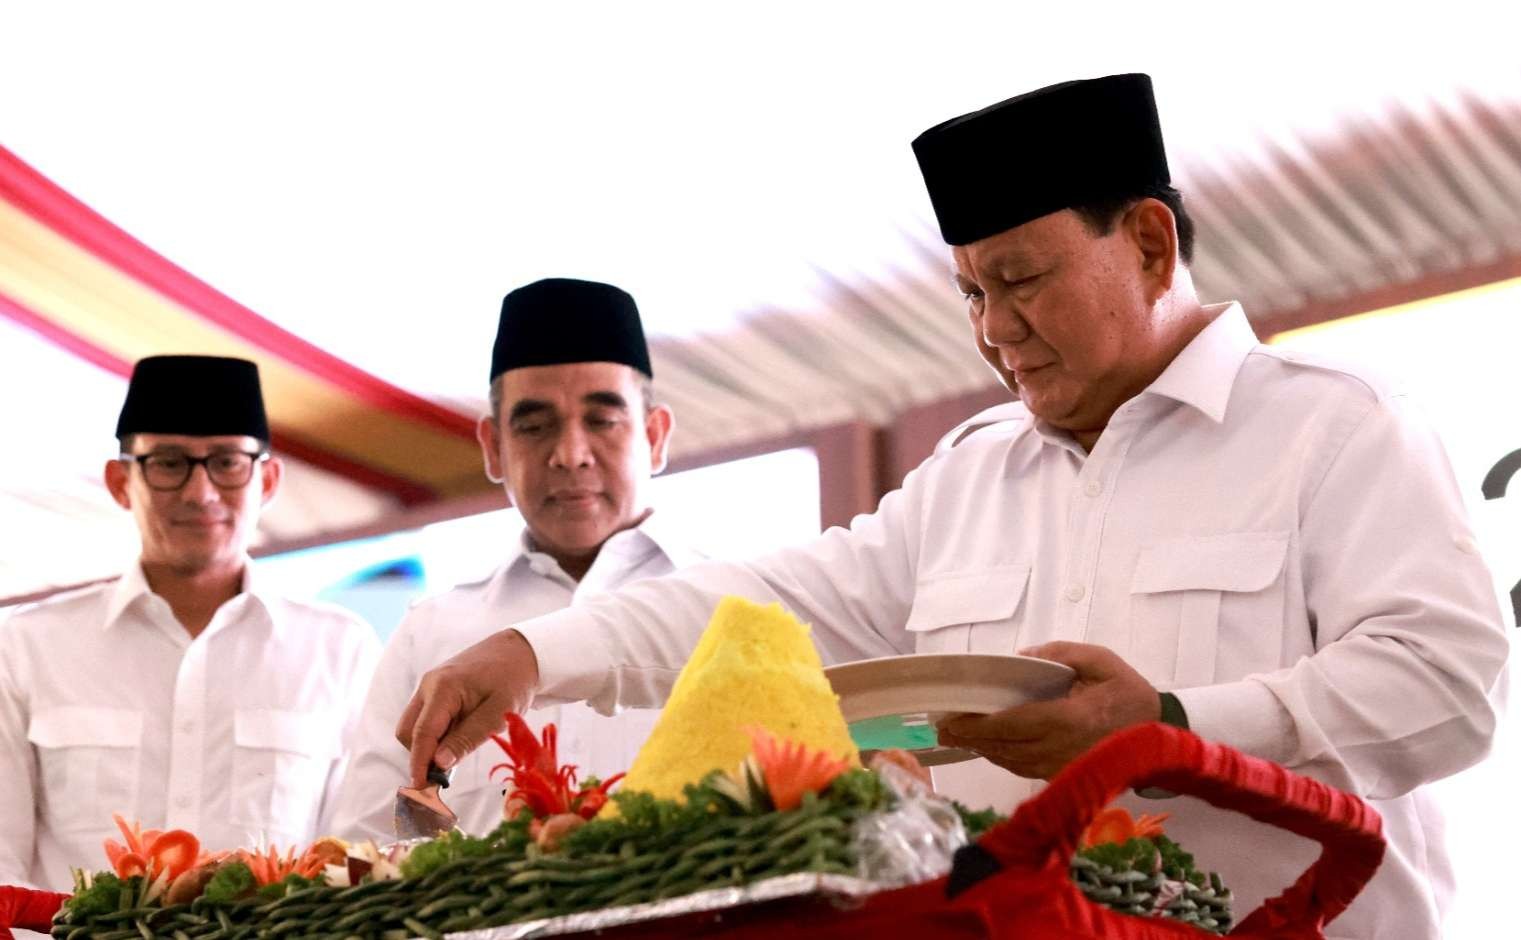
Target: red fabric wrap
point(27, 909)
point(1037, 844)
point(1034, 898)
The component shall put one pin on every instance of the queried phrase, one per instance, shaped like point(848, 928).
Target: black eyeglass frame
point(254, 459)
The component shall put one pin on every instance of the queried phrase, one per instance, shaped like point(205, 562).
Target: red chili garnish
point(537, 778)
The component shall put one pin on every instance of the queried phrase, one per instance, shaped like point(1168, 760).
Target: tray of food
point(749, 797)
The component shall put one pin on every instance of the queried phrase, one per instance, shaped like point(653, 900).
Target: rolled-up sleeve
point(1408, 636)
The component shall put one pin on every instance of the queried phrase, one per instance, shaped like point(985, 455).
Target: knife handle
point(438, 775)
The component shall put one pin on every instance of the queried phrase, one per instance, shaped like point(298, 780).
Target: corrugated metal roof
point(1400, 200)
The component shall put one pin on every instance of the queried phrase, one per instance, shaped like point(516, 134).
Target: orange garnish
point(175, 851)
point(133, 835)
point(1150, 824)
point(152, 852)
point(128, 864)
point(269, 867)
point(1115, 824)
point(791, 768)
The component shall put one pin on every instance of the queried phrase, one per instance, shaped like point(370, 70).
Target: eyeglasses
point(228, 469)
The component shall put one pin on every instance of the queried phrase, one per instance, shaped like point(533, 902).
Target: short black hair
point(1101, 216)
point(646, 391)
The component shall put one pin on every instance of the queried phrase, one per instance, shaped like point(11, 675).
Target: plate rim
point(969, 655)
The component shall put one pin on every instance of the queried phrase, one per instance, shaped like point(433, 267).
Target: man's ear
point(1155, 233)
point(658, 427)
point(488, 436)
point(271, 477)
point(117, 476)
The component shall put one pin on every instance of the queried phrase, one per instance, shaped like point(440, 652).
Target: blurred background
point(343, 192)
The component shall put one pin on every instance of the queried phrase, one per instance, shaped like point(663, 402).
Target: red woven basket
point(1020, 886)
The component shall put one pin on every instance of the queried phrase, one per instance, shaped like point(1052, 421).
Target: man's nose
point(198, 488)
point(572, 448)
point(1002, 325)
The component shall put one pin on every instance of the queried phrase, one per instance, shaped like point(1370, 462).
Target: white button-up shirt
point(529, 584)
point(107, 705)
point(1276, 538)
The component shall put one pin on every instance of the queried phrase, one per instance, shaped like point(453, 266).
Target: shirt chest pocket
point(280, 766)
point(1191, 596)
point(969, 612)
point(87, 762)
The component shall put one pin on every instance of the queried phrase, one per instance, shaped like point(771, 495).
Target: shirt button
point(1093, 488)
point(186, 727)
point(183, 802)
point(1075, 593)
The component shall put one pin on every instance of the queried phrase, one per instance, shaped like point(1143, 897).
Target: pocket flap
point(309, 733)
point(83, 726)
point(981, 596)
point(1238, 561)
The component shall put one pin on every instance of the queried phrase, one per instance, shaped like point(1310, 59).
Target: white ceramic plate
point(894, 701)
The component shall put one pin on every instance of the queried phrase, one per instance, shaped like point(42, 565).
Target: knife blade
point(420, 812)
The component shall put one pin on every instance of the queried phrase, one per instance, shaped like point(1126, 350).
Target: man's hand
point(1040, 738)
point(461, 702)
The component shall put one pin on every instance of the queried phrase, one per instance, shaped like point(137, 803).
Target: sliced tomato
point(174, 851)
point(114, 851)
point(130, 863)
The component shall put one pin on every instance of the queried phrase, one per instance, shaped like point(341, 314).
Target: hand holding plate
point(1039, 738)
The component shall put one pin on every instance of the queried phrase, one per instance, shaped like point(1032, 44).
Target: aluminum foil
point(835, 889)
point(914, 841)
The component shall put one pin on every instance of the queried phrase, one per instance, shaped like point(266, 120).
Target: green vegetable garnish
point(232, 881)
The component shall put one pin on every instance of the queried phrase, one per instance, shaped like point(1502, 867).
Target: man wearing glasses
point(179, 695)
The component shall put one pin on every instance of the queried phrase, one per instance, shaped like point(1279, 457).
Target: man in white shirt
point(180, 695)
point(1268, 548)
point(573, 436)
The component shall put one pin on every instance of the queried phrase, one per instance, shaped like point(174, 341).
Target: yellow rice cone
point(755, 665)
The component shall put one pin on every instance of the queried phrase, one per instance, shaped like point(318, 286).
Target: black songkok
point(1061, 146)
point(560, 320)
point(202, 396)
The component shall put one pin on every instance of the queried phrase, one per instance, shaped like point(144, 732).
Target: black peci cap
point(201, 396)
point(560, 320)
point(1051, 149)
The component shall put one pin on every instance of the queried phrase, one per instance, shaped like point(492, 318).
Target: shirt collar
point(1203, 374)
point(663, 534)
point(255, 591)
point(133, 585)
point(655, 533)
